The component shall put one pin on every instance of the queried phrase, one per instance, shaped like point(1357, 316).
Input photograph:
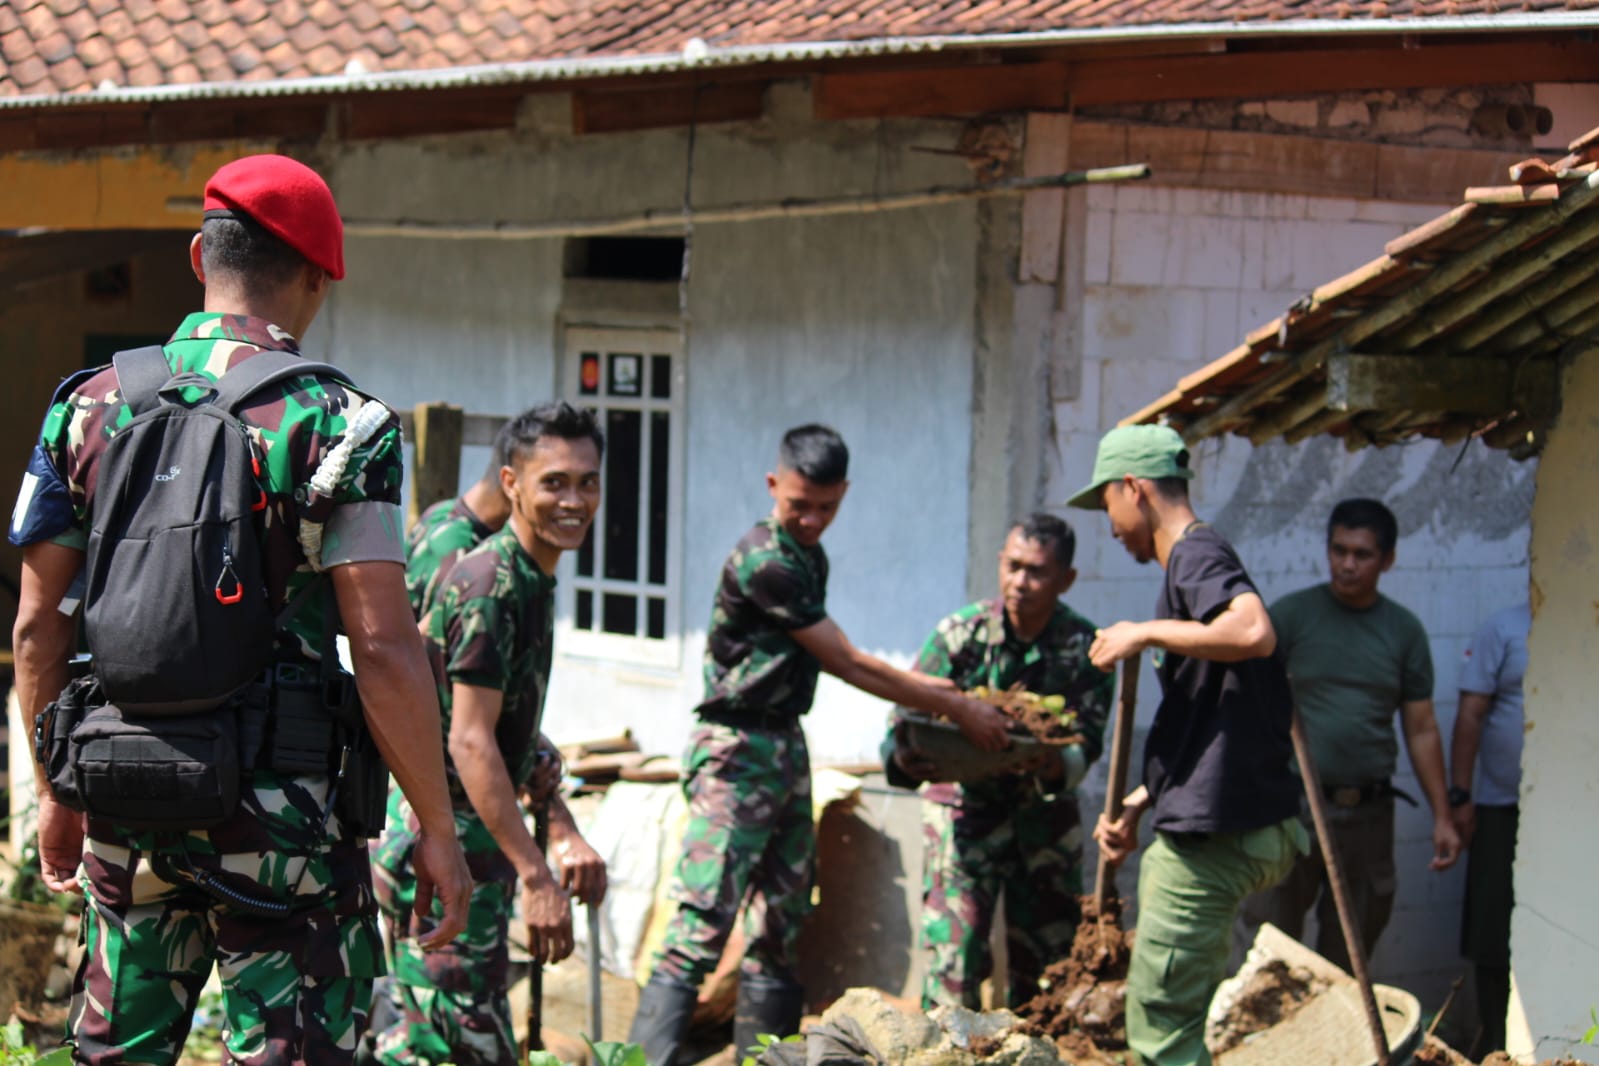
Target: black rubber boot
point(661, 1023)
point(765, 1006)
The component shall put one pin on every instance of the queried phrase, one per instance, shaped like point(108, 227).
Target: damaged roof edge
point(622, 66)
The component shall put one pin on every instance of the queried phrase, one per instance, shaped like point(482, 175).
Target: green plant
point(16, 1051)
point(205, 1035)
point(1590, 1035)
point(616, 1053)
point(766, 1040)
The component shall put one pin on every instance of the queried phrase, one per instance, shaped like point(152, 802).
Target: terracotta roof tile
point(424, 34)
point(94, 51)
point(185, 73)
point(106, 70)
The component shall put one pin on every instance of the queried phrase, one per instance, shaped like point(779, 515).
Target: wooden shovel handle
point(1121, 744)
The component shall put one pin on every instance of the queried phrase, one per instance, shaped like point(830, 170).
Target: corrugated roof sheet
point(1510, 274)
point(72, 46)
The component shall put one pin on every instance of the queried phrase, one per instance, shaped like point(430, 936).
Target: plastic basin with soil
point(1036, 726)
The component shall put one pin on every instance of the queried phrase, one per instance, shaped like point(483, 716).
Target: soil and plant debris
point(1045, 718)
point(1083, 1005)
point(1273, 993)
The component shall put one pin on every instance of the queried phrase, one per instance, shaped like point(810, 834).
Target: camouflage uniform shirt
point(771, 585)
point(975, 646)
point(434, 544)
point(308, 974)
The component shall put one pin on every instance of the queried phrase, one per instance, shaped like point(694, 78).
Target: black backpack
point(176, 610)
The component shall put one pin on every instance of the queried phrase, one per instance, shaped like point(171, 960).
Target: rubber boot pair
point(665, 1007)
point(766, 1007)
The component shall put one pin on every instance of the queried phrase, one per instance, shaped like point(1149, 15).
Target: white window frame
point(666, 652)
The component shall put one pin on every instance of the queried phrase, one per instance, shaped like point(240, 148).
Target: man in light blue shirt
point(1487, 748)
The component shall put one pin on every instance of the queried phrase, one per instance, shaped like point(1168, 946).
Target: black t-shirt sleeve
point(1208, 576)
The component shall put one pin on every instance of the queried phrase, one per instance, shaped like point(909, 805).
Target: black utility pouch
point(363, 796)
point(165, 773)
point(52, 731)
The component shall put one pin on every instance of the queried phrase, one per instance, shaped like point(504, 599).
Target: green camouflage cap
point(1152, 452)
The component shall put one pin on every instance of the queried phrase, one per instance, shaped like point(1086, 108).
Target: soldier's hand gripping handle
point(441, 871)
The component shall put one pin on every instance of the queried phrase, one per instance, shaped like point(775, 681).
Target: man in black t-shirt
point(1216, 762)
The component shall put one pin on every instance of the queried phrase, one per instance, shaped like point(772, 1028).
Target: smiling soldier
point(747, 771)
point(490, 640)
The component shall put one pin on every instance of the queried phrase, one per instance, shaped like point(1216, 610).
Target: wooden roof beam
point(1454, 384)
point(1517, 306)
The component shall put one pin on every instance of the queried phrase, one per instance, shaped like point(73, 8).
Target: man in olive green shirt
point(1355, 657)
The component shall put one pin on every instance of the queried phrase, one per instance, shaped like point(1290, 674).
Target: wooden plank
point(1290, 72)
point(941, 91)
point(437, 470)
point(1043, 212)
point(615, 110)
point(1456, 384)
point(372, 117)
point(1291, 163)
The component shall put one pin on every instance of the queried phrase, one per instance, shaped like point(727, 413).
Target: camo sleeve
point(1088, 689)
point(782, 590)
point(478, 625)
point(51, 503)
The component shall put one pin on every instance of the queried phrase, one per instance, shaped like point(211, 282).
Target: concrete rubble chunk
point(942, 1037)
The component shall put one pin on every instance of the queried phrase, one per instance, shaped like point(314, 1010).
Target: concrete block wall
point(1174, 278)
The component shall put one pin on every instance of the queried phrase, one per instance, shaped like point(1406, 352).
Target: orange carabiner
point(229, 598)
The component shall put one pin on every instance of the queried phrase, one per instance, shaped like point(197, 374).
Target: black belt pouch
point(176, 772)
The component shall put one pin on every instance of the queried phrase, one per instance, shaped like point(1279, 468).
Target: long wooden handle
point(1340, 886)
point(1121, 744)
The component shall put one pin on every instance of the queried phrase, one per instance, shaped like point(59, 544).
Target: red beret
point(289, 200)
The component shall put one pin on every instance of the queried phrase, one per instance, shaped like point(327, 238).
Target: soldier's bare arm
point(1471, 713)
point(1425, 743)
point(1242, 630)
point(402, 711)
point(42, 640)
point(979, 723)
point(582, 869)
point(476, 754)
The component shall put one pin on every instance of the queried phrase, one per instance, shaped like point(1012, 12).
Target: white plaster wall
point(1554, 939)
point(863, 321)
point(1175, 278)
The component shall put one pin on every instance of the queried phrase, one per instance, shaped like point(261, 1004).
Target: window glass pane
point(585, 609)
point(655, 627)
point(588, 378)
point(627, 372)
point(661, 377)
point(621, 614)
point(660, 451)
point(623, 437)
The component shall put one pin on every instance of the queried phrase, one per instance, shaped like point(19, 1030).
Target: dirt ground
point(1272, 994)
point(1083, 1005)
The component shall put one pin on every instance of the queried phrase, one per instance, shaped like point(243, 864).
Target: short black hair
point(499, 453)
point(1174, 489)
point(815, 452)
point(1363, 513)
point(242, 249)
point(556, 419)
point(1053, 533)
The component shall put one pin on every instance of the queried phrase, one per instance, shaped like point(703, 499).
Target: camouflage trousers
point(295, 988)
point(1033, 855)
point(750, 836)
point(449, 1005)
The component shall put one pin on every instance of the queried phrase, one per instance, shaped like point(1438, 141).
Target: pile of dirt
point(1083, 1005)
point(1042, 717)
point(1273, 993)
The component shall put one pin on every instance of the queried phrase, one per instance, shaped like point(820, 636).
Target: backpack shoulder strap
point(268, 367)
point(140, 374)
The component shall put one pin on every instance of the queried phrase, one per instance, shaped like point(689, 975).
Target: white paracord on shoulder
point(368, 420)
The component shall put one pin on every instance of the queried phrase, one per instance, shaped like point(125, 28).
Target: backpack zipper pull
point(228, 598)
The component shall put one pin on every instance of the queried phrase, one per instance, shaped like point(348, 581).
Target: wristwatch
point(1459, 797)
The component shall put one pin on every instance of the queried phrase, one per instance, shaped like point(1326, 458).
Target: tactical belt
point(1358, 795)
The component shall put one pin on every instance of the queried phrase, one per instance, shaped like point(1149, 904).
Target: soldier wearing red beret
point(277, 894)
